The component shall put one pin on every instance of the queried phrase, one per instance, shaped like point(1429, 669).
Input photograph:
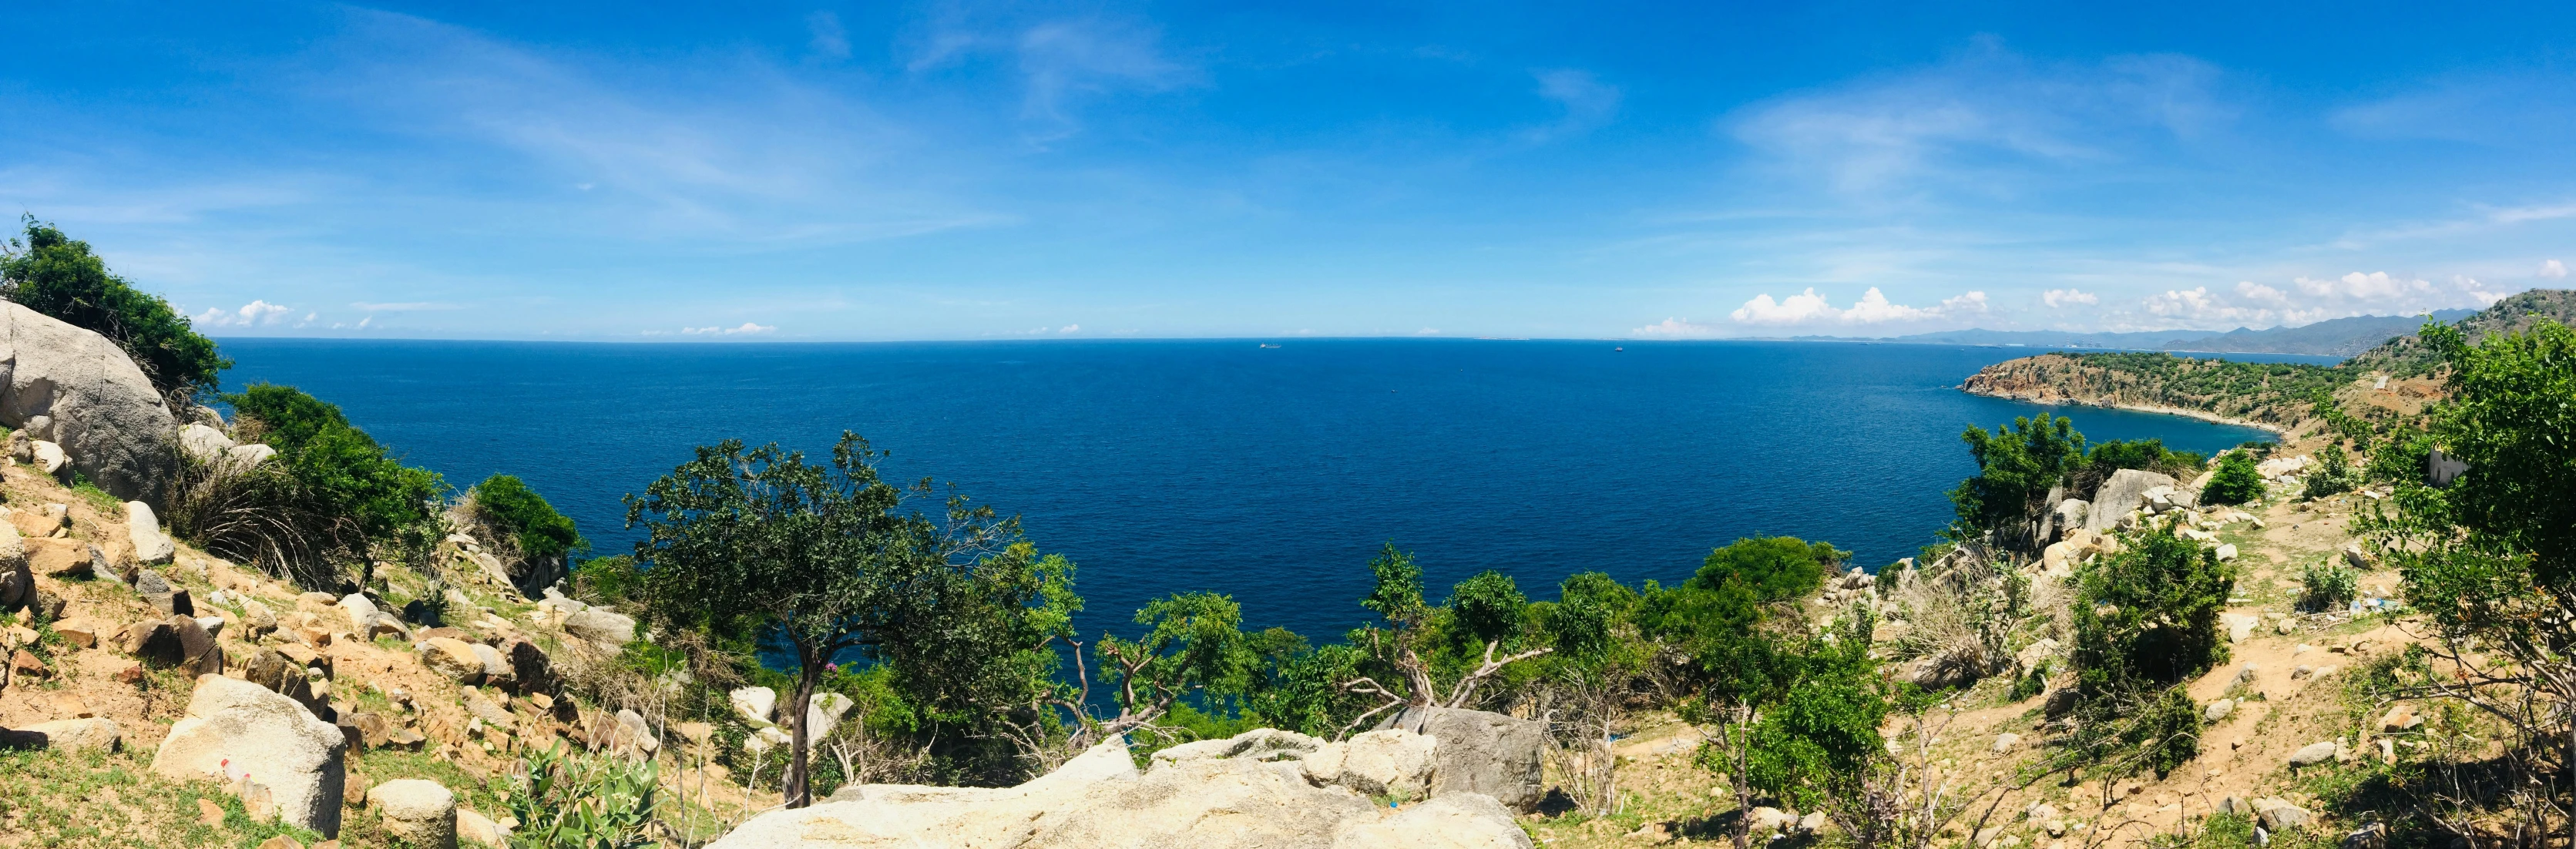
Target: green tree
point(541, 533)
point(1488, 608)
point(823, 560)
point(1771, 568)
point(1195, 645)
point(330, 496)
point(58, 276)
point(2490, 560)
point(2017, 466)
point(2235, 482)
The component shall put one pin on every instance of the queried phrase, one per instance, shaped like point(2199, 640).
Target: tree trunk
point(799, 792)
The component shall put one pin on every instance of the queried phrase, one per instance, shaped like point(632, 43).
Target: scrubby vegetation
point(315, 512)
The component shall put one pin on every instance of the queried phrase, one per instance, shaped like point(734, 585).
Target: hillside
point(2341, 337)
point(2280, 396)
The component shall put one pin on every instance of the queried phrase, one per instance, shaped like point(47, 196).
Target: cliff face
point(2275, 395)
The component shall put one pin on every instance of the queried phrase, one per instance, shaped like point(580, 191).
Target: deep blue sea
point(1271, 474)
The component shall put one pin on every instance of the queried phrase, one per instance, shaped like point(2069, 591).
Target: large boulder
point(453, 658)
point(1460, 821)
point(1392, 762)
point(65, 735)
point(1099, 799)
point(235, 730)
point(1482, 752)
point(2125, 491)
point(609, 630)
point(73, 387)
point(417, 812)
point(754, 703)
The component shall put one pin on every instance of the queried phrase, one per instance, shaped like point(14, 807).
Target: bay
point(1268, 473)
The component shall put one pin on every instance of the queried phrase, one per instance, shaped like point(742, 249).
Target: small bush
point(2332, 477)
point(2236, 481)
point(541, 533)
point(562, 797)
point(2328, 586)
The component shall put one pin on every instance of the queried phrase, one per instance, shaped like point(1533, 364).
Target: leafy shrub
point(2328, 586)
point(611, 580)
point(1772, 568)
point(315, 440)
point(2148, 616)
point(2236, 481)
point(1487, 608)
point(2332, 477)
point(2166, 731)
point(541, 533)
point(58, 276)
point(563, 797)
point(330, 493)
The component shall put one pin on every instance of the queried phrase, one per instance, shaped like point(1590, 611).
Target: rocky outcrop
point(1100, 800)
point(2122, 494)
point(73, 387)
point(143, 528)
point(1393, 762)
point(237, 731)
point(1482, 752)
point(417, 812)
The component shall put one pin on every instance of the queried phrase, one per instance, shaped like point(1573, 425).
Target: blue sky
point(958, 171)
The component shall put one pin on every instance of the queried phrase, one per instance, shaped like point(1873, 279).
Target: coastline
point(2203, 415)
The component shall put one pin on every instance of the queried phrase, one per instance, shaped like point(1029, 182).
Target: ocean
point(1271, 474)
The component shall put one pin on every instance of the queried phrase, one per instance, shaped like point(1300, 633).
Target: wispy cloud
point(829, 40)
point(1063, 63)
point(1962, 123)
point(2305, 300)
point(1586, 100)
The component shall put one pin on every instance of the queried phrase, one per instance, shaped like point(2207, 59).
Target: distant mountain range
point(2342, 337)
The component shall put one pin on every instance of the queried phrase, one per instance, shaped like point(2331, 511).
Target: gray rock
point(417, 812)
point(235, 726)
point(203, 444)
point(2278, 815)
point(75, 388)
point(143, 528)
point(2314, 753)
point(66, 735)
point(2123, 492)
point(2219, 710)
point(2004, 742)
point(1482, 752)
point(1392, 761)
point(1260, 744)
point(246, 456)
point(496, 668)
point(607, 629)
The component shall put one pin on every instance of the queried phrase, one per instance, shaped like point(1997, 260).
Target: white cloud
point(1677, 328)
point(2060, 298)
point(2307, 300)
point(254, 314)
point(1070, 328)
point(1809, 308)
point(746, 327)
point(1802, 308)
point(1587, 101)
point(1427, 331)
point(2553, 269)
